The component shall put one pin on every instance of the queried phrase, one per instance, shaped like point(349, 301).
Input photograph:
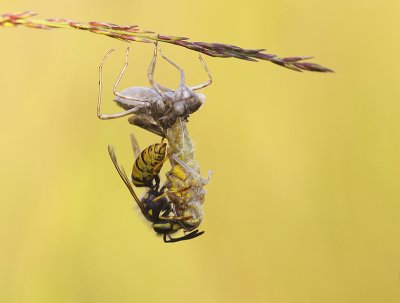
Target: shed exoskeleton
point(156, 108)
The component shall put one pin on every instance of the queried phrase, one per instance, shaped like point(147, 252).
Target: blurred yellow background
point(303, 205)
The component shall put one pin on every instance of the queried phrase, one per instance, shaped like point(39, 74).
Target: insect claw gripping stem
point(205, 84)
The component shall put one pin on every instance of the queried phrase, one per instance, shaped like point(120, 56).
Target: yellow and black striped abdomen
point(148, 164)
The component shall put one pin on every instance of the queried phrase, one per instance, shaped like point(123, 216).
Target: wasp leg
point(205, 84)
point(175, 218)
point(170, 191)
point(188, 236)
point(146, 124)
point(190, 171)
point(162, 189)
point(174, 64)
point(157, 181)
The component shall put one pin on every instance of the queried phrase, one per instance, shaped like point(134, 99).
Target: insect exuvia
point(156, 108)
point(185, 186)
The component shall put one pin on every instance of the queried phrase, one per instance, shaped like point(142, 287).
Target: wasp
point(155, 206)
point(184, 186)
point(148, 163)
point(155, 109)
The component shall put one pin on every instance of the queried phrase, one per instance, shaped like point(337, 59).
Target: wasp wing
point(123, 176)
point(135, 146)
